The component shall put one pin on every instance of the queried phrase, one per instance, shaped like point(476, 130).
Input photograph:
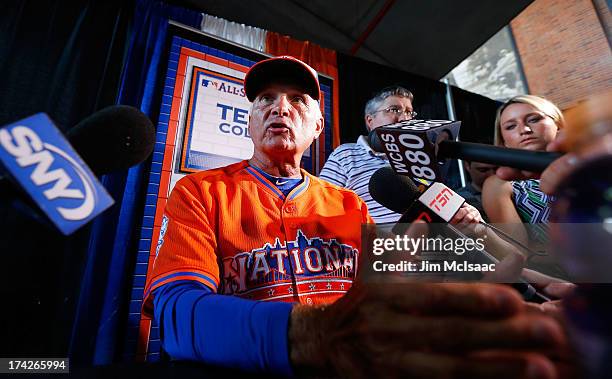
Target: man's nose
point(281, 106)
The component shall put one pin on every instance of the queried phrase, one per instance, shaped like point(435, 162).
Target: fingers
point(398, 363)
point(553, 287)
point(507, 270)
point(559, 290)
point(501, 366)
point(557, 171)
point(467, 214)
point(461, 299)
point(462, 334)
point(558, 144)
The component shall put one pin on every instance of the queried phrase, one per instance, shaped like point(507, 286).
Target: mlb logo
point(37, 156)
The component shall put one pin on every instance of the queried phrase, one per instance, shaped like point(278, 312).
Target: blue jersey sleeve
point(197, 324)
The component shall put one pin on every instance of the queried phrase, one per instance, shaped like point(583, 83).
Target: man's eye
point(394, 109)
point(298, 99)
point(265, 98)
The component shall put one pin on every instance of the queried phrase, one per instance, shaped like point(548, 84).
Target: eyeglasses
point(397, 111)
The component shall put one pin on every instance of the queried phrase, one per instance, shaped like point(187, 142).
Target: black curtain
point(477, 115)
point(360, 80)
point(64, 58)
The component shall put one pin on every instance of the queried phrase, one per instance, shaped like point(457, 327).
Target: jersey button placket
point(289, 211)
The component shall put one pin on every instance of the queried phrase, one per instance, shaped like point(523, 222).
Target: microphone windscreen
point(114, 138)
point(395, 192)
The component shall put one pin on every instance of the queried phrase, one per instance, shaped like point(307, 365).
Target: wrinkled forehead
point(280, 86)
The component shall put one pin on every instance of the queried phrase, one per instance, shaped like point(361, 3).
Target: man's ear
point(319, 127)
point(368, 121)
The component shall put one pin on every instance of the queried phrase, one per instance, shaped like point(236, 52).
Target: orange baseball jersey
point(235, 232)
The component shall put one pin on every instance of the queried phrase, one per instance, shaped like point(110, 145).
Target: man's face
point(283, 120)
point(480, 171)
point(382, 115)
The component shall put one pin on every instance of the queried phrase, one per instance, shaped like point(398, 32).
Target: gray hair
point(374, 103)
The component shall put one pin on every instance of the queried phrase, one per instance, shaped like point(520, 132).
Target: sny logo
point(46, 167)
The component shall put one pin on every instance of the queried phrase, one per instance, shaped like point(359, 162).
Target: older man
point(263, 229)
point(351, 165)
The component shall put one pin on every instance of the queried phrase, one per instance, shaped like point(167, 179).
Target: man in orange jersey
point(286, 245)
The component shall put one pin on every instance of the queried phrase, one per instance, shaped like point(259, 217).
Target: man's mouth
point(277, 127)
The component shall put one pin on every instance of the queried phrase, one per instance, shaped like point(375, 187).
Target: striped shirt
point(351, 166)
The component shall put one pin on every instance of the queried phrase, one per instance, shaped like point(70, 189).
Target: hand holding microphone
point(439, 204)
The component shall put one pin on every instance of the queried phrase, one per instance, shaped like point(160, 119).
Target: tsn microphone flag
point(438, 204)
point(46, 166)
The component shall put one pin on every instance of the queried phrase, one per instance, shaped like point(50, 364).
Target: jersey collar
point(298, 190)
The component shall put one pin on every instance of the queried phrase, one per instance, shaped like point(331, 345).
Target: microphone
point(437, 204)
point(421, 148)
point(61, 184)
point(113, 139)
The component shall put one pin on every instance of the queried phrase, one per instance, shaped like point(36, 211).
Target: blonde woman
point(523, 122)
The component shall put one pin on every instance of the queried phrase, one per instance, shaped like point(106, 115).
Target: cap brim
point(286, 71)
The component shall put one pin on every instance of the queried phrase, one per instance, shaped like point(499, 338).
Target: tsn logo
point(441, 199)
point(28, 149)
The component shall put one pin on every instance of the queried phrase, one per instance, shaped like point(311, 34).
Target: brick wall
point(564, 50)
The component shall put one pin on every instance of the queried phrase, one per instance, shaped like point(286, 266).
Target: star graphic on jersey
point(341, 286)
point(329, 285)
point(290, 290)
point(271, 292)
point(312, 286)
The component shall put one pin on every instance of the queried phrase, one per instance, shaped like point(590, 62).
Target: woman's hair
point(539, 103)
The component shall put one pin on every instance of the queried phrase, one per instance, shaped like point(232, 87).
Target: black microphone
point(421, 148)
point(399, 194)
point(114, 138)
point(535, 161)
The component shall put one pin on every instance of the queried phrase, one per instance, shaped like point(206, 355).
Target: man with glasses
point(352, 164)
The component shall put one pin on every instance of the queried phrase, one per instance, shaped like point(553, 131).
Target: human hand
point(467, 214)
point(425, 330)
point(433, 330)
point(555, 288)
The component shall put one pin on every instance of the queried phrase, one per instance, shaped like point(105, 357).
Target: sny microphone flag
point(46, 166)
